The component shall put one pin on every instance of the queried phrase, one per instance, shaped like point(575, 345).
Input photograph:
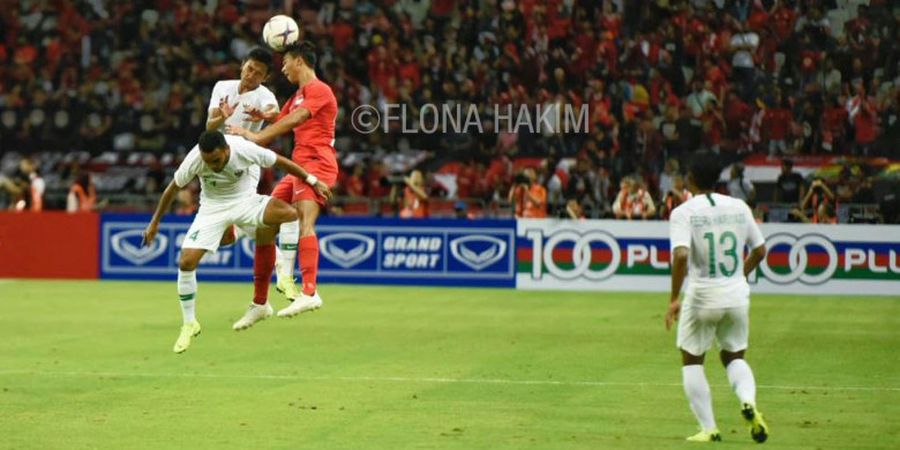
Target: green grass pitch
point(87, 365)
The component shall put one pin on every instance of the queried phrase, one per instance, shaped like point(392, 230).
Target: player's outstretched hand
point(323, 190)
point(149, 234)
point(672, 313)
point(256, 114)
point(227, 110)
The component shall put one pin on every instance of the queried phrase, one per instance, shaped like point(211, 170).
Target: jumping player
point(311, 112)
point(246, 103)
point(227, 198)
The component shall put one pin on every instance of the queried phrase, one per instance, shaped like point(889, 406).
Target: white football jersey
point(715, 228)
point(260, 98)
point(235, 181)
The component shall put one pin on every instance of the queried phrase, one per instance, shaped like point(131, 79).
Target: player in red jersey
point(311, 112)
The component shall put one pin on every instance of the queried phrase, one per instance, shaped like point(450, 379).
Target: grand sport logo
point(346, 249)
point(127, 244)
point(479, 251)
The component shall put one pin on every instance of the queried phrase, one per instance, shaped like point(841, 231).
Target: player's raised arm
point(287, 123)
point(292, 168)
point(186, 172)
point(165, 202)
point(269, 114)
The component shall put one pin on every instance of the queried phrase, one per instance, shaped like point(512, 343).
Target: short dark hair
point(305, 50)
point(260, 55)
point(211, 141)
point(705, 169)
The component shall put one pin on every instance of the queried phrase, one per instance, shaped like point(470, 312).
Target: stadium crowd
point(123, 87)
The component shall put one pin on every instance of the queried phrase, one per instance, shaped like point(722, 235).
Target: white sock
point(288, 237)
point(741, 378)
point(187, 292)
point(699, 397)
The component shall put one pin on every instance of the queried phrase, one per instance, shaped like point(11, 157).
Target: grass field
point(89, 365)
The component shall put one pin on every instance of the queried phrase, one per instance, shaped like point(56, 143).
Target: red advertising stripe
point(564, 255)
point(49, 245)
point(524, 254)
point(598, 255)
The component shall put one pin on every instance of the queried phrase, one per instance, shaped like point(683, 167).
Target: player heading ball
point(311, 113)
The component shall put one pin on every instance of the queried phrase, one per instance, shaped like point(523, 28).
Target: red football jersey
point(314, 138)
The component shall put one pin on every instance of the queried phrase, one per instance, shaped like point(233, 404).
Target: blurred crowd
point(661, 78)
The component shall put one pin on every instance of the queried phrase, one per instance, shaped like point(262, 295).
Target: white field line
point(498, 381)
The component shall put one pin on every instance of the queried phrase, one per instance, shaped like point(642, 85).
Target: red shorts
point(292, 190)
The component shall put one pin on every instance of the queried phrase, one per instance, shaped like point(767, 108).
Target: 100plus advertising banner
point(634, 256)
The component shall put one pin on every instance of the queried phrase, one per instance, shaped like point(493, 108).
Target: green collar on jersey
point(711, 201)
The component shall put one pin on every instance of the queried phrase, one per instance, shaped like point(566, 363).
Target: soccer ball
point(280, 31)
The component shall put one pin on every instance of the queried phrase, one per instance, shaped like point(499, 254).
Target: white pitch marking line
point(421, 380)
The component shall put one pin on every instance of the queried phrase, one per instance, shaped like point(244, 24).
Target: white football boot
point(255, 313)
point(302, 304)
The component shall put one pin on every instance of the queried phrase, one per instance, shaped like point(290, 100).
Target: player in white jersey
point(227, 197)
point(708, 234)
point(246, 103)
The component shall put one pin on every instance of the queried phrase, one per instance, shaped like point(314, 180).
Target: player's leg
point(695, 337)
point(289, 235)
point(204, 235)
point(187, 294)
point(308, 245)
point(308, 248)
point(276, 213)
point(266, 214)
point(732, 333)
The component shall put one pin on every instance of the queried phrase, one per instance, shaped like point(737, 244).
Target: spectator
point(818, 194)
point(461, 210)
point(633, 201)
point(574, 210)
point(699, 98)
point(355, 185)
point(713, 126)
point(82, 194)
point(25, 188)
point(824, 214)
point(743, 45)
point(34, 199)
point(790, 187)
point(666, 178)
point(864, 115)
point(528, 197)
point(777, 121)
point(675, 196)
point(833, 126)
point(668, 128)
point(740, 187)
point(414, 203)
